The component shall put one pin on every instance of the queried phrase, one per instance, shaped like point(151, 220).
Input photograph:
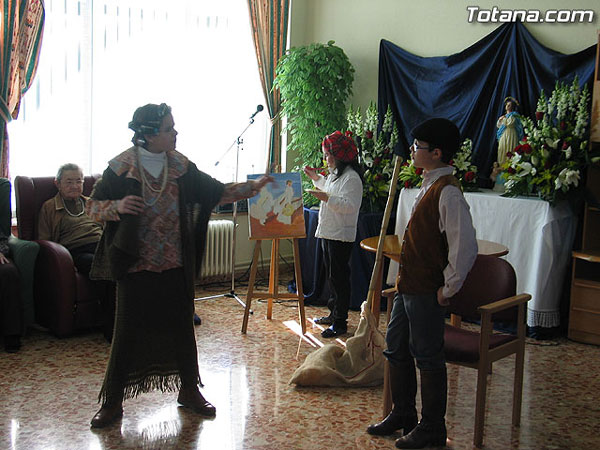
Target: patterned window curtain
point(269, 23)
point(21, 29)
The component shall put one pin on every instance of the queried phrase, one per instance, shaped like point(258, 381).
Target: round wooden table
point(392, 247)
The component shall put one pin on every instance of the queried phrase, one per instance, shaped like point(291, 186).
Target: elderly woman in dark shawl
point(156, 205)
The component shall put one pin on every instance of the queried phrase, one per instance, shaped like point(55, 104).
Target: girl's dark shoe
point(325, 320)
point(334, 331)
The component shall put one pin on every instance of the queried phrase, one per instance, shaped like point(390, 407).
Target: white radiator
point(216, 265)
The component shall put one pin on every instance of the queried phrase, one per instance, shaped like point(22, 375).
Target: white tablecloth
point(539, 239)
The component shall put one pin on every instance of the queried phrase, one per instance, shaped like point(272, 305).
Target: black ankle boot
point(403, 384)
point(392, 423)
point(424, 435)
point(431, 431)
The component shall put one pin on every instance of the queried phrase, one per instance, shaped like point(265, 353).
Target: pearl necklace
point(146, 183)
point(69, 212)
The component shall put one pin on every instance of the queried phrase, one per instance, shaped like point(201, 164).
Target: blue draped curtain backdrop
point(469, 87)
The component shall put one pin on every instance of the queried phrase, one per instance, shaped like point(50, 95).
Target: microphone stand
point(238, 143)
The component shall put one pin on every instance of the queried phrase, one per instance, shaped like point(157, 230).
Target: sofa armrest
point(24, 254)
point(55, 288)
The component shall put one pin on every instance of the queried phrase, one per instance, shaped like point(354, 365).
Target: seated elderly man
point(63, 219)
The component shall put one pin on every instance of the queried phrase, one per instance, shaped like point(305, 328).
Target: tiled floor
point(48, 395)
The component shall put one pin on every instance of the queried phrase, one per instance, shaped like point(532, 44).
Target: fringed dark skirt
point(154, 345)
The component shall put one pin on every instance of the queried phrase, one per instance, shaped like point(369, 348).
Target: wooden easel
point(273, 293)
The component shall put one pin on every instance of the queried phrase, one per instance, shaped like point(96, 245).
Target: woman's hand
point(311, 173)
point(257, 185)
point(321, 195)
point(132, 204)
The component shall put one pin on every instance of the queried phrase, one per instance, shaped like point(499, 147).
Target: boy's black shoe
point(325, 320)
point(334, 331)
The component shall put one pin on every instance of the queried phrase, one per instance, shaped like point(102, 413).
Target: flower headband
point(511, 99)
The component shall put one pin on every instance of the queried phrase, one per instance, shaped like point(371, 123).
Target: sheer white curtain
point(100, 60)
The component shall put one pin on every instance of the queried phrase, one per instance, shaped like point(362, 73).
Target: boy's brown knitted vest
point(424, 249)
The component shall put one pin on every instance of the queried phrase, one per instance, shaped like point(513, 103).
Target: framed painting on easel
point(276, 212)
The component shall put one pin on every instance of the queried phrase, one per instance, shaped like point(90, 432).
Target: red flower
point(565, 145)
point(527, 148)
point(469, 176)
point(519, 149)
point(322, 172)
point(509, 155)
point(563, 125)
point(407, 184)
point(377, 160)
point(451, 162)
point(405, 164)
point(419, 170)
point(378, 177)
point(348, 133)
point(511, 170)
point(369, 135)
point(539, 115)
point(524, 139)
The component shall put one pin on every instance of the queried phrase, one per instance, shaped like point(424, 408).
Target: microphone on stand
point(259, 108)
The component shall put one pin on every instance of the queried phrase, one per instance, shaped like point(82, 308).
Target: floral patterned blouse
point(159, 232)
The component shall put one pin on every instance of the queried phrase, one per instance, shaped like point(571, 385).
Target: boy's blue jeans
point(416, 329)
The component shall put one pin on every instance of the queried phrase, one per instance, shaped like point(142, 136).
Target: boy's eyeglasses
point(418, 147)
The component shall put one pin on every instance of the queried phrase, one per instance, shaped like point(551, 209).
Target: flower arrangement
point(375, 150)
point(412, 176)
point(550, 159)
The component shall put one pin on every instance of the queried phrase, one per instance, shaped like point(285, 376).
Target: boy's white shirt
point(456, 222)
point(338, 216)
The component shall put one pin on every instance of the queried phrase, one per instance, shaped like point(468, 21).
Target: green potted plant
point(314, 81)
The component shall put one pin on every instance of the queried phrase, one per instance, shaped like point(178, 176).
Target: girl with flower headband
point(510, 129)
point(156, 205)
point(341, 196)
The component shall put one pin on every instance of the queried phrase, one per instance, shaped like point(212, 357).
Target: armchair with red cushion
point(64, 299)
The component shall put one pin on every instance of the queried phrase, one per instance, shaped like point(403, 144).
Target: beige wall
point(422, 27)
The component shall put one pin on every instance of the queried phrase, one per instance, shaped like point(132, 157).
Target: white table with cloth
point(539, 238)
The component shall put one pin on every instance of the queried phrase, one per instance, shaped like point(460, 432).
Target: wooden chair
point(488, 294)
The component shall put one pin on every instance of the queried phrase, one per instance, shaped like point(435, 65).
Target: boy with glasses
point(438, 251)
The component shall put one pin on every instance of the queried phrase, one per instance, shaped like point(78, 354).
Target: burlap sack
point(360, 364)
